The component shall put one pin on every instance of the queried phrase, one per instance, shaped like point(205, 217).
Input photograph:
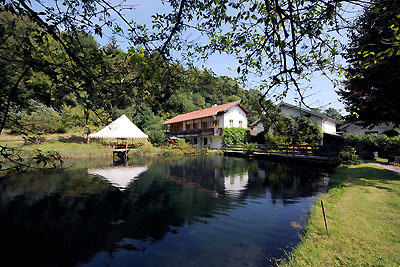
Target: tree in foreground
point(371, 93)
point(282, 42)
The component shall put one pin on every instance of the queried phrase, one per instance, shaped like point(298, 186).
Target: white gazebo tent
point(121, 128)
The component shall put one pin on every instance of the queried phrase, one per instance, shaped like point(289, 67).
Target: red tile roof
point(207, 112)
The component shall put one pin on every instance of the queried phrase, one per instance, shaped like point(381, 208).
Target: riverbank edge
point(77, 151)
point(317, 246)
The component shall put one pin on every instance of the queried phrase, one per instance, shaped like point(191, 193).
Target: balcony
point(195, 132)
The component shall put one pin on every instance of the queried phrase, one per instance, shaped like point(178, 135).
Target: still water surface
point(175, 211)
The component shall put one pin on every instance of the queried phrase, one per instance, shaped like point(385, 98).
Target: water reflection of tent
point(236, 183)
point(119, 176)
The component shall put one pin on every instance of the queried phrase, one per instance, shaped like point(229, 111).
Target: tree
point(283, 42)
point(371, 92)
point(335, 114)
point(49, 53)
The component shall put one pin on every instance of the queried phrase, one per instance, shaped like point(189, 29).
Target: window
point(204, 125)
point(194, 125)
point(205, 141)
point(195, 141)
point(176, 128)
point(240, 124)
point(230, 123)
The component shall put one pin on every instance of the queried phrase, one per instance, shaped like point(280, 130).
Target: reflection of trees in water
point(52, 218)
point(282, 181)
point(62, 217)
point(209, 172)
point(286, 181)
point(55, 221)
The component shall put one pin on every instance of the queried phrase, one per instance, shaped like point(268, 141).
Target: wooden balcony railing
point(195, 132)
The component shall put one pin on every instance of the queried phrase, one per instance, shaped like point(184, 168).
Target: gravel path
point(387, 167)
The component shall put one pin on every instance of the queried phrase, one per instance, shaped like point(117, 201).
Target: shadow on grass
point(364, 175)
point(72, 139)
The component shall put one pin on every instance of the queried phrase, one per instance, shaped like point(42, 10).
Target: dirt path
point(387, 167)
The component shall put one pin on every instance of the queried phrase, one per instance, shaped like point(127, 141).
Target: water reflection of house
point(235, 184)
point(211, 174)
point(119, 176)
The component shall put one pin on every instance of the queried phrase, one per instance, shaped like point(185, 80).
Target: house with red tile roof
point(201, 127)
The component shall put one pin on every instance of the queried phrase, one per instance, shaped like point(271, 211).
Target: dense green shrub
point(202, 151)
point(274, 139)
point(308, 132)
point(392, 133)
point(235, 135)
point(349, 157)
point(294, 130)
point(249, 149)
point(146, 150)
point(382, 144)
point(156, 137)
point(38, 119)
point(182, 145)
point(75, 118)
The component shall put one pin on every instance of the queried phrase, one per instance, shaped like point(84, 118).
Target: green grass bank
point(75, 146)
point(363, 214)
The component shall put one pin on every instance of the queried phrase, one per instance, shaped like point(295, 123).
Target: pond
point(161, 211)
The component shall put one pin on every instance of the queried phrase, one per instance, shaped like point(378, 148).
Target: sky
point(321, 93)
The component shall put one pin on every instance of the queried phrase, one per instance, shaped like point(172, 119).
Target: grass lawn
point(363, 214)
point(75, 146)
point(66, 150)
point(378, 160)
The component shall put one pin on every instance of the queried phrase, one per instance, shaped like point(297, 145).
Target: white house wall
point(259, 127)
point(328, 126)
point(213, 141)
point(216, 142)
point(220, 119)
point(290, 111)
point(355, 129)
point(236, 114)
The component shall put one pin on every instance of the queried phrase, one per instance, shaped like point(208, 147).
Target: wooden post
point(126, 151)
point(323, 212)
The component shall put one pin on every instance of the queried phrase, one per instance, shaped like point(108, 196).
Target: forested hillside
point(45, 91)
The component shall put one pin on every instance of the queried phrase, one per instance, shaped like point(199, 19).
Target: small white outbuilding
point(121, 128)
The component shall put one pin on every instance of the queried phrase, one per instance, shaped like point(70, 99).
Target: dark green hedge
point(373, 142)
